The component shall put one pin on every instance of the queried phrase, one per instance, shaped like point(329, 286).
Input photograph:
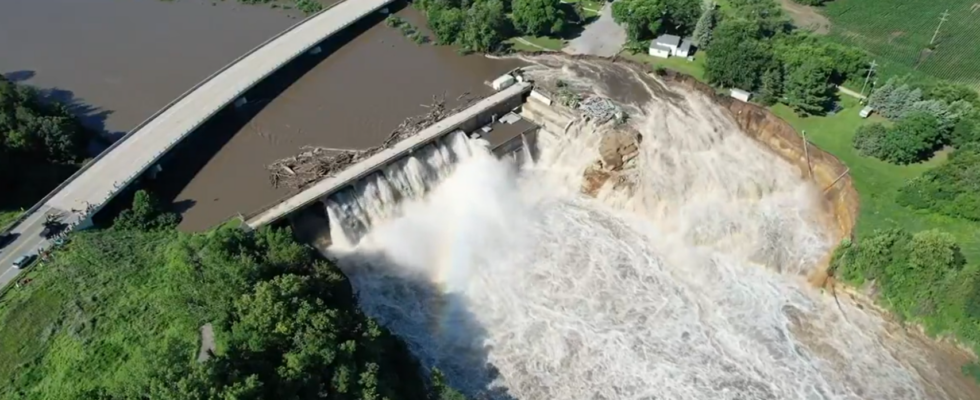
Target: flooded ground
point(123, 60)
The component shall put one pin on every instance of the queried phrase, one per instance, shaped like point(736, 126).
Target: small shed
point(741, 94)
point(866, 112)
point(502, 82)
point(657, 50)
point(686, 48)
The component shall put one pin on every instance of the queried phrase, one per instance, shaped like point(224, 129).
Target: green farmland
point(897, 33)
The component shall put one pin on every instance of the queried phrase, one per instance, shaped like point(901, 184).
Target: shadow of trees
point(438, 327)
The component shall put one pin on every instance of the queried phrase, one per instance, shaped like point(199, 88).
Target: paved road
point(603, 37)
point(130, 157)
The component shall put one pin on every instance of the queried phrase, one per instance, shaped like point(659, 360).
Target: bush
point(869, 139)
point(912, 139)
point(951, 189)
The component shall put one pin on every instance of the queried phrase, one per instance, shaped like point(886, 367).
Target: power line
point(874, 64)
point(941, 20)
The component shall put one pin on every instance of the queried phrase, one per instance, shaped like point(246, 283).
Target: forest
point(117, 313)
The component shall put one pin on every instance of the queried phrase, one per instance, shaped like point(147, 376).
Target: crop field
point(898, 33)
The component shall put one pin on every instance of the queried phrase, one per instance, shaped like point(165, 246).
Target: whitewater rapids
point(688, 283)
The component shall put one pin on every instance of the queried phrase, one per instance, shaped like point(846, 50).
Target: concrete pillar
point(84, 223)
point(315, 50)
point(384, 10)
point(153, 171)
point(241, 101)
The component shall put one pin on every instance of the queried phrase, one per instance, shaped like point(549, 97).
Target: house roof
point(668, 40)
point(685, 45)
point(654, 46)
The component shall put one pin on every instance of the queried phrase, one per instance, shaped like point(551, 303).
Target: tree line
point(119, 312)
point(41, 142)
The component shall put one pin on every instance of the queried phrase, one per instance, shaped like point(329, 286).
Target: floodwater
point(123, 60)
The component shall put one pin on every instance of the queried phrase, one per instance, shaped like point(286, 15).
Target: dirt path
point(806, 17)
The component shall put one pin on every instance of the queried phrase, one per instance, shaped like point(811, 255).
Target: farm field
point(897, 33)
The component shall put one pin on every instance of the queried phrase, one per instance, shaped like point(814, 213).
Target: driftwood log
point(315, 163)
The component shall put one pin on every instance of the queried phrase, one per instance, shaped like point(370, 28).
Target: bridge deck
point(144, 147)
point(357, 171)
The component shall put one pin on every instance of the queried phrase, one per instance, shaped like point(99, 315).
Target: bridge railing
point(141, 125)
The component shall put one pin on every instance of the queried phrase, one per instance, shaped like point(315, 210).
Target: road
point(100, 180)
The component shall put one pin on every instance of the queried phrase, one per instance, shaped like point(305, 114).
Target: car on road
point(24, 261)
point(6, 238)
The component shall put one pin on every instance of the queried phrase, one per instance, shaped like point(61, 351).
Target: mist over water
point(686, 281)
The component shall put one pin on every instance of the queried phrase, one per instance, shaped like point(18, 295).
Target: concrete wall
point(467, 120)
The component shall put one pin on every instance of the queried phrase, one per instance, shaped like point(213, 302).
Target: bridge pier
point(240, 102)
point(315, 50)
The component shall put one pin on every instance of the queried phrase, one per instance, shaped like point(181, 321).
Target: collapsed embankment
point(828, 172)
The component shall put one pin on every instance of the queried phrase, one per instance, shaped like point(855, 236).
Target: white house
point(741, 94)
point(670, 45)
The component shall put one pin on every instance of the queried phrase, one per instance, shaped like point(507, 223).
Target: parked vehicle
point(24, 261)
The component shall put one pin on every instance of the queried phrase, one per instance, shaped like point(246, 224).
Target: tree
point(538, 17)
point(811, 2)
point(807, 90)
point(772, 86)
point(485, 22)
point(706, 24)
point(446, 23)
point(966, 131)
point(737, 57)
point(912, 139)
point(641, 18)
point(952, 188)
point(869, 139)
point(145, 214)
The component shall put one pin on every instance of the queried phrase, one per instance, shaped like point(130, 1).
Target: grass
point(694, 68)
point(8, 216)
point(898, 34)
point(878, 182)
point(539, 43)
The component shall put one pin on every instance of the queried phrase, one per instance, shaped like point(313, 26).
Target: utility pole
point(874, 64)
point(941, 20)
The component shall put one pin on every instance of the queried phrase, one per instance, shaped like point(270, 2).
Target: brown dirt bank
point(840, 197)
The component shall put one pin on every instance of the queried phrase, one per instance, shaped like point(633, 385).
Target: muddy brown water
point(123, 60)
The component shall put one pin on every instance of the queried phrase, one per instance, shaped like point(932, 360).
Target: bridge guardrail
point(115, 144)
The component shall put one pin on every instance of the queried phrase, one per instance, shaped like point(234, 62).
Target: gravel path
point(603, 37)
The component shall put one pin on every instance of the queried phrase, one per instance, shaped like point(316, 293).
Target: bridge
point(99, 181)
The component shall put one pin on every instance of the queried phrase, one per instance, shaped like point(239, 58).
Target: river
point(120, 61)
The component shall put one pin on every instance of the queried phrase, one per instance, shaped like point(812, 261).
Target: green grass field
point(694, 68)
point(539, 43)
point(897, 34)
point(878, 182)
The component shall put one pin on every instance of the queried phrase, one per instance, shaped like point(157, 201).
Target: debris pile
point(601, 109)
point(315, 163)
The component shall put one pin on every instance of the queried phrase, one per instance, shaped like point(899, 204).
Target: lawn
point(694, 68)
point(8, 216)
point(897, 34)
point(537, 43)
point(878, 182)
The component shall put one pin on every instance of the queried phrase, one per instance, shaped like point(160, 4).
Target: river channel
point(120, 61)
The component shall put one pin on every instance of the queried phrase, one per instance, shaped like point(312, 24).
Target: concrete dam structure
point(409, 168)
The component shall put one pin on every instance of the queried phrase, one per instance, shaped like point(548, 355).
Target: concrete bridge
point(91, 188)
point(467, 120)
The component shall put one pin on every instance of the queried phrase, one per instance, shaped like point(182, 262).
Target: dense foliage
point(41, 143)
point(752, 49)
point(644, 19)
point(951, 189)
point(117, 314)
point(922, 277)
point(912, 139)
point(477, 25)
point(538, 17)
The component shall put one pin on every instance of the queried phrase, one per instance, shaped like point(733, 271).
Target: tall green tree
point(807, 89)
point(485, 24)
point(538, 17)
point(705, 25)
point(641, 18)
point(772, 86)
point(737, 57)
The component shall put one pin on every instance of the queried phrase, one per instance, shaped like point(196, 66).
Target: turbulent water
point(686, 283)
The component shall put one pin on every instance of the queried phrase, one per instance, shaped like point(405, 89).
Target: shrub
point(951, 189)
point(869, 138)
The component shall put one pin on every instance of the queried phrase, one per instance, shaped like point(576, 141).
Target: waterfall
point(354, 210)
